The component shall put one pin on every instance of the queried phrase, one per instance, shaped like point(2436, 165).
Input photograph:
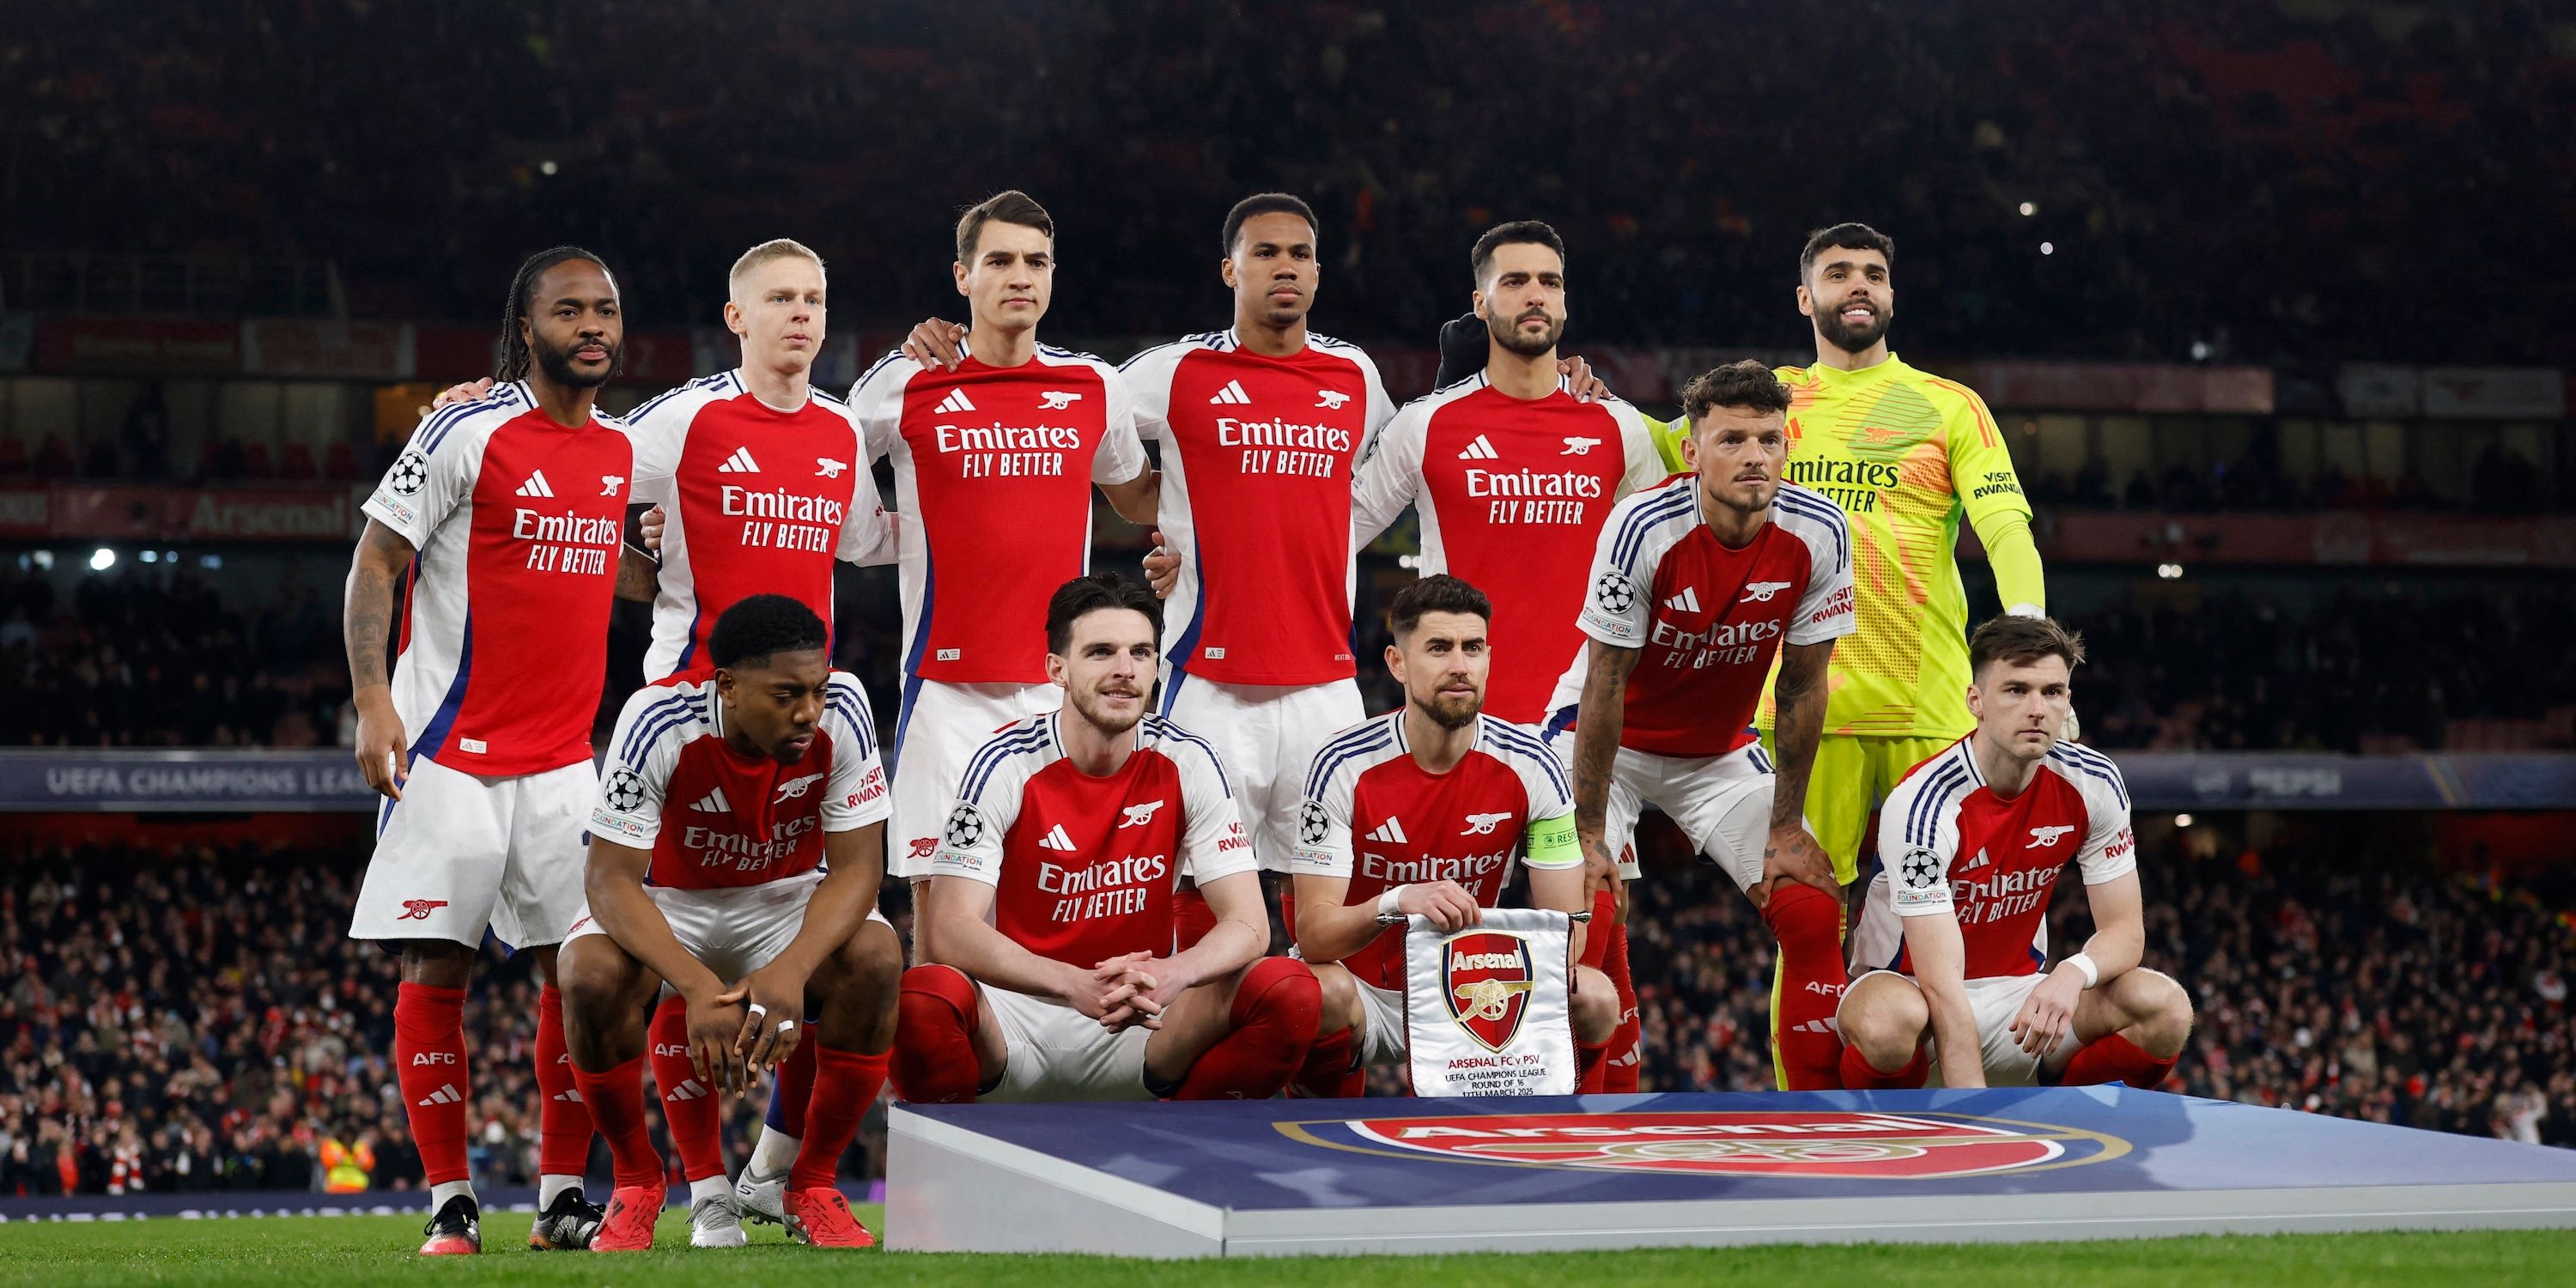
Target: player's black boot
point(567, 1223)
point(457, 1228)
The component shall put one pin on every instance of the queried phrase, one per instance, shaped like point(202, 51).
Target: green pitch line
point(341, 1252)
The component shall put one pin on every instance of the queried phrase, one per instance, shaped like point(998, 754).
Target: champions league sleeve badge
point(1489, 1011)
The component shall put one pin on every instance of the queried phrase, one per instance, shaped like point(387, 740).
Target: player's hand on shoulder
point(454, 394)
point(2071, 729)
point(1578, 373)
point(1445, 904)
point(384, 754)
point(2048, 1013)
point(1162, 567)
point(651, 527)
point(937, 342)
point(1792, 855)
point(773, 1001)
point(714, 1021)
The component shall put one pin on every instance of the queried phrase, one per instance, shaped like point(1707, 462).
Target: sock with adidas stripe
point(690, 1109)
point(429, 1064)
point(563, 1121)
point(616, 1099)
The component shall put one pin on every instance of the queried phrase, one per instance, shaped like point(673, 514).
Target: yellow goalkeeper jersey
point(1907, 455)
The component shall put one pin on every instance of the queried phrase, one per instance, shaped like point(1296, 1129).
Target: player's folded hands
point(714, 1021)
point(773, 1017)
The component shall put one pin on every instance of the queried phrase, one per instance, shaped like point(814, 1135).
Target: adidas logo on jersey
point(956, 401)
point(1232, 395)
point(1056, 839)
point(689, 1089)
point(1390, 832)
point(1058, 399)
point(739, 463)
point(537, 485)
point(1480, 450)
point(1975, 863)
point(447, 1094)
point(1685, 602)
point(713, 802)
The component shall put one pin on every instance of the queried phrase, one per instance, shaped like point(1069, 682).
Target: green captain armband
point(1551, 844)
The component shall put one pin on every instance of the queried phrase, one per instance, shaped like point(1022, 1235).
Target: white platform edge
point(956, 1190)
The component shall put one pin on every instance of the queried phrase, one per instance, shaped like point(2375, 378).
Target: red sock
point(563, 1121)
point(1628, 1040)
point(689, 1105)
point(429, 1062)
point(1860, 1075)
point(1328, 1071)
point(1590, 1063)
point(1192, 918)
point(1275, 1013)
point(793, 1088)
point(934, 1040)
point(616, 1099)
point(2114, 1059)
point(1288, 913)
point(845, 1084)
point(1809, 925)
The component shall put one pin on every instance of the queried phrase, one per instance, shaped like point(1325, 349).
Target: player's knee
point(594, 976)
point(1337, 998)
point(2164, 1013)
point(936, 1000)
point(871, 963)
point(1596, 1007)
point(1283, 992)
point(934, 1059)
point(1883, 1024)
point(437, 963)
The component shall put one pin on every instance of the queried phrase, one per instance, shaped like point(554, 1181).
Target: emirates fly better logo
point(1784, 1143)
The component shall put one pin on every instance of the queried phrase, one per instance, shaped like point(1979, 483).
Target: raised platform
point(1416, 1176)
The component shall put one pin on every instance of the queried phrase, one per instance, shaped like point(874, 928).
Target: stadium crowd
point(2220, 175)
point(198, 1019)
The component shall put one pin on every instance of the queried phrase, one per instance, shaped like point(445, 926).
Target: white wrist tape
point(2092, 973)
point(1386, 908)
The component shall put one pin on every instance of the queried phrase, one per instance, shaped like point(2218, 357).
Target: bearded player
point(1957, 924)
point(1697, 586)
point(1424, 811)
point(1054, 975)
point(735, 855)
point(503, 519)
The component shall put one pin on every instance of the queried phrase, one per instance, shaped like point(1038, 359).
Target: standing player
point(994, 462)
point(1053, 973)
point(737, 847)
point(1976, 838)
point(1260, 426)
point(507, 514)
point(1441, 799)
point(1511, 473)
point(1697, 586)
point(1905, 455)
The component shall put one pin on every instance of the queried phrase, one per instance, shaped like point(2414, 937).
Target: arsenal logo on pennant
point(1486, 978)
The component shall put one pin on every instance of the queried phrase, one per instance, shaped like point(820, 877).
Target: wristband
point(2025, 610)
point(2092, 973)
point(1386, 909)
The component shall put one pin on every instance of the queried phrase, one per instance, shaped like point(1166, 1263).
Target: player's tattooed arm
point(366, 625)
point(1800, 693)
point(1597, 724)
point(637, 576)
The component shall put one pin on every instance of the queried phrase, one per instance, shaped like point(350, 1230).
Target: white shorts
point(1054, 1052)
point(733, 931)
point(1266, 736)
point(1994, 1002)
point(1383, 1043)
point(1722, 803)
point(940, 729)
point(459, 854)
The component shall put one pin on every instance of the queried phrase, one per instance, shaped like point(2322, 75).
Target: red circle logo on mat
point(1817, 1143)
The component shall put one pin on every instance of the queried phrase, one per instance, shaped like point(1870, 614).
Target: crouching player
point(1053, 975)
point(1975, 838)
point(735, 854)
point(1438, 800)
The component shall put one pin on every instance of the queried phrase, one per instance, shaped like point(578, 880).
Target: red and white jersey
point(1708, 620)
point(1512, 495)
point(1258, 454)
point(1084, 868)
point(993, 470)
point(1374, 816)
point(717, 818)
point(755, 501)
point(518, 522)
point(1954, 846)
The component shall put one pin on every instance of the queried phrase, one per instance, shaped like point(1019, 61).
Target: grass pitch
point(341, 1252)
